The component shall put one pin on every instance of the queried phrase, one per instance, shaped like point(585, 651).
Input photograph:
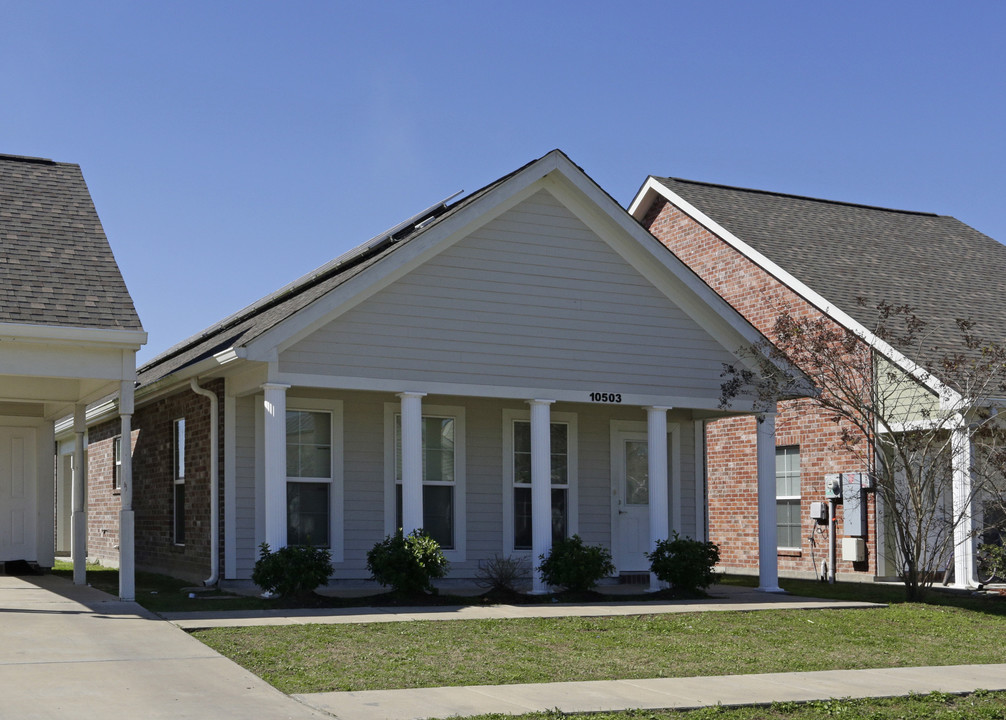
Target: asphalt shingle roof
point(936, 264)
point(56, 266)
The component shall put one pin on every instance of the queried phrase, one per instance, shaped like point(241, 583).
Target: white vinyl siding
point(534, 298)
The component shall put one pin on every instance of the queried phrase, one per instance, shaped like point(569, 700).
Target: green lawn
point(317, 658)
point(935, 706)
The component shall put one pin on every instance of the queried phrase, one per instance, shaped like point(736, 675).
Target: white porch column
point(541, 488)
point(412, 461)
point(78, 541)
point(127, 564)
point(768, 560)
point(964, 573)
point(656, 446)
point(275, 464)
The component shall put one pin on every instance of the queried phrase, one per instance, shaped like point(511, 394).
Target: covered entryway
point(68, 338)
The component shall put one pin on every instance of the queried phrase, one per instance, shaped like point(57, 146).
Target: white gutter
point(214, 483)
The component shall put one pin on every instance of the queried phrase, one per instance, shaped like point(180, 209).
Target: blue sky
point(231, 147)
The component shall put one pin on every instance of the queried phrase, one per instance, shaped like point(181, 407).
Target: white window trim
point(790, 498)
point(572, 474)
point(336, 493)
point(459, 553)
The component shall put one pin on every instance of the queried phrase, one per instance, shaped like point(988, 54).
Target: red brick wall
point(732, 467)
point(153, 486)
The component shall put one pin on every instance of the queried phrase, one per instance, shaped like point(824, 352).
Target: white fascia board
point(653, 187)
point(126, 339)
point(403, 260)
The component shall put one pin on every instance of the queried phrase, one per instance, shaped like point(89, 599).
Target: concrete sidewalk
point(69, 651)
point(722, 598)
point(676, 693)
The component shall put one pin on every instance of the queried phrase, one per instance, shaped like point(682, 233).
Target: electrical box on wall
point(854, 515)
point(819, 511)
point(833, 486)
point(853, 549)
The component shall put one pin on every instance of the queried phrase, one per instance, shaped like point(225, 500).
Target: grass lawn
point(948, 630)
point(935, 706)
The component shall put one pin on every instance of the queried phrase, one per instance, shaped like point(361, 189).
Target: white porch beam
point(963, 509)
point(412, 461)
point(656, 439)
point(541, 488)
point(768, 559)
point(127, 565)
point(78, 521)
point(275, 464)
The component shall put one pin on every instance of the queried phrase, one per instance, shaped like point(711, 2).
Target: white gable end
point(533, 298)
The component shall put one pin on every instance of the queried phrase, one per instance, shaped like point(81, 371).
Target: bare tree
point(922, 419)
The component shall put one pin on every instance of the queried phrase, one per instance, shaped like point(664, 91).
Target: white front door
point(17, 494)
point(630, 532)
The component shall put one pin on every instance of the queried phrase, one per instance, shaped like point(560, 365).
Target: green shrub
point(293, 571)
point(684, 563)
point(502, 574)
point(408, 564)
point(575, 566)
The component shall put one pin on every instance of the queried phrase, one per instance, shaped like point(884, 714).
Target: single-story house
point(764, 252)
point(68, 336)
point(521, 364)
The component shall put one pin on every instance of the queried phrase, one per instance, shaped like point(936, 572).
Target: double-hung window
point(309, 477)
point(517, 477)
point(443, 461)
point(787, 495)
point(178, 501)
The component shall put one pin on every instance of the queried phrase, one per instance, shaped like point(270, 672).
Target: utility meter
point(833, 486)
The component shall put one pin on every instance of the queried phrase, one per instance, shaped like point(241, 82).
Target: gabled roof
point(842, 252)
point(56, 266)
point(257, 331)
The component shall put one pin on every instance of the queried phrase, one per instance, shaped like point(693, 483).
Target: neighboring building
point(507, 369)
point(764, 252)
point(70, 336)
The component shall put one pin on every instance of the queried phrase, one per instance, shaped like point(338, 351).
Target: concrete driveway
point(71, 651)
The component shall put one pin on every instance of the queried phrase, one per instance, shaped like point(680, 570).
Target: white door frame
point(620, 431)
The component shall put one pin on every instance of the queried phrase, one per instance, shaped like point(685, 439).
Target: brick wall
point(153, 486)
point(732, 466)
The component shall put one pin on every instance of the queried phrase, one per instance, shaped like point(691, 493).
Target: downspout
point(214, 483)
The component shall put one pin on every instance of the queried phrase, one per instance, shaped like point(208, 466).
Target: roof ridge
point(800, 197)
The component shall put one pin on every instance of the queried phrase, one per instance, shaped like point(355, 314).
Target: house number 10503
point(606, 397)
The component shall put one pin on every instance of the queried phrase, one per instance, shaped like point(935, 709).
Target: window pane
point(788, 523)
point(522, 468)
point(787, 471)
point(179, 514)
point(522, 518)
point(560, 471)
point(180, 448)
point(522, 436)
point(308, 444)
point(637, 473)
point(438, 514)
point(307, 514)
point(559, 433)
